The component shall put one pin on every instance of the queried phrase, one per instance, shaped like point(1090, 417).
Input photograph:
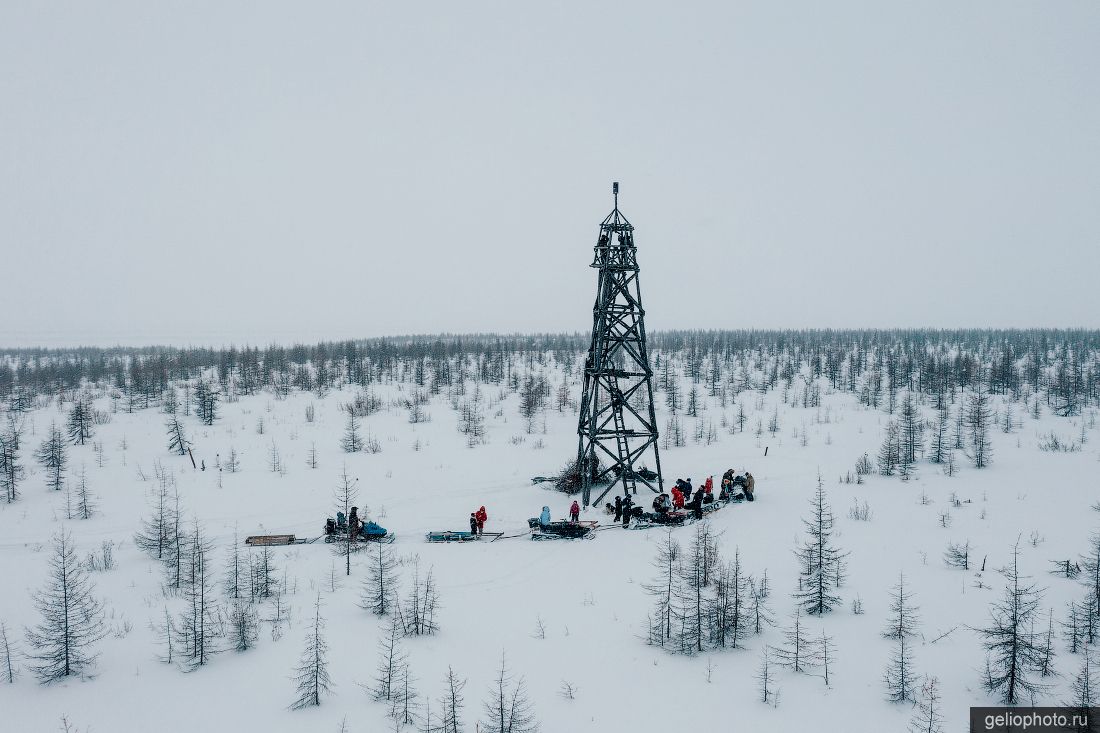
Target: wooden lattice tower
point(618, 426)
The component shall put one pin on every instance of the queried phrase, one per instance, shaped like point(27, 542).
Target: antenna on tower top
point(615, 190)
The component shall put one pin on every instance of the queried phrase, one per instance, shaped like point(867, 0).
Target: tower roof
point(615, 221)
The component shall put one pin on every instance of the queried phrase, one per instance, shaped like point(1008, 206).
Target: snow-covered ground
point(588, 594)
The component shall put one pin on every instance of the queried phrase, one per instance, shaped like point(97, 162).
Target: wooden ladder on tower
point(630, 486)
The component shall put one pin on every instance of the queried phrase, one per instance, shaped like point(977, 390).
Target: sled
point(718, 504)
point(261, 540)
point(338, 536)
point(448, 536)
point(561, 530)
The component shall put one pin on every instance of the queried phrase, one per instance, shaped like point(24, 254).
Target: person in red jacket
point(708, 490)
point(677, 498)
point(575, 512)
point(482, 518)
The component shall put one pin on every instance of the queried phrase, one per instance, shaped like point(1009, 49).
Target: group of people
point(622, 508)
point(734, 485)
point(478, 520)
point(684, 496)
point(355, 526)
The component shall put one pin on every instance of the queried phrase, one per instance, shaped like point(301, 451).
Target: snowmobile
point(561, 530)
point(641, 519)
point(336, 530)
point(643, 473)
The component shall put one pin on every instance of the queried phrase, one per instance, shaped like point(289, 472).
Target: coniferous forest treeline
point(1060, 367)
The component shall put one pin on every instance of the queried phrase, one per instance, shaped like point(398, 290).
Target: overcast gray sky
point(223, 171)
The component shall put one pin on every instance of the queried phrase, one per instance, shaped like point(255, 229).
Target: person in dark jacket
point(697, 504)
point(618, 508)
point(353, 521)
point(627, 505)
point(473, 523)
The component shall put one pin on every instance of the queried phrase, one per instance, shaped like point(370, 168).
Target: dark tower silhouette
point(618, 425)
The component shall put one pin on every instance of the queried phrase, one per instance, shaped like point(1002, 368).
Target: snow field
point(588, 594)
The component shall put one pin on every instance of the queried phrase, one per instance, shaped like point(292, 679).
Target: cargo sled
point(269, 540)
point(449, 536)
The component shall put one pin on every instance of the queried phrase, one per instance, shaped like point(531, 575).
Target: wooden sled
point(261, 540)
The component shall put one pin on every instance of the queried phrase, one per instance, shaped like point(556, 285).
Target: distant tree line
point(877, 365)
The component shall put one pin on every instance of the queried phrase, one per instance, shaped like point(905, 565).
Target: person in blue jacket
point(544, 518)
